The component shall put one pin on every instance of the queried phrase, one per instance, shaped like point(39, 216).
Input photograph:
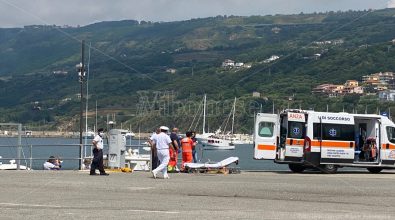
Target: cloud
point(391, 4)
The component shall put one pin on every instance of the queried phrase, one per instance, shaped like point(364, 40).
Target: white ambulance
point(325, 140)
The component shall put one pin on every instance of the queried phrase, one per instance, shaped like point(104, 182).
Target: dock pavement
point(248, 195)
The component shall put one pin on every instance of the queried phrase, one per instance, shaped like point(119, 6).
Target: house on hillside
point(329, 89)
point(323, 88)
point(351, 86)
point(271, 59)
point(171, 70)
point(239, 65)
point(379, 81)
point(387, 95)
point(383, 78)
point(247, 66)
point(338, 41)
point(276, 30)
point(316, 56)
point(228, 63)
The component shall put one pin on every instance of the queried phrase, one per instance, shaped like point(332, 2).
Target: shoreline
point(55, 134)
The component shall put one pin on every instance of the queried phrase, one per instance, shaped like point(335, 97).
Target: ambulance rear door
point(266, 133)
point(296, 133)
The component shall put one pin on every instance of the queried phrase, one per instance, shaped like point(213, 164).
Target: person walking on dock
point(154, 154)
point(97, 161)
point(187, 146)
point(163, 143)
point(173, 151)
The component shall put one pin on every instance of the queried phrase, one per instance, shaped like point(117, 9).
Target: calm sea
point(67, 148)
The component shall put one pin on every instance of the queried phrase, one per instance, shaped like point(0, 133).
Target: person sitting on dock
point(58, 161)
point(51, 164)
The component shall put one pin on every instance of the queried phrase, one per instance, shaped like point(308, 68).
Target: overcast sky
point(17, 13)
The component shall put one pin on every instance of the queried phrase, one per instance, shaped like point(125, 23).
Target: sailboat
point(203, 136)
point(215, 141)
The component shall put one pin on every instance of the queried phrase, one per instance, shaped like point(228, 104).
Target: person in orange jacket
point(187, 145)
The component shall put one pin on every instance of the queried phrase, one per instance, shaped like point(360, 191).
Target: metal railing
point(85, 150)
point(43, 156)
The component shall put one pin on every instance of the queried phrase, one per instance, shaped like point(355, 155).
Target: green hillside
point(129, 59)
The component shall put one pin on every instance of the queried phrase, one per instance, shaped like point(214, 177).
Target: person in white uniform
point(163, 142)
point(97, 161)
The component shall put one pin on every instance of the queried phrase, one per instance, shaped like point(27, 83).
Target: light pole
point(81, 76)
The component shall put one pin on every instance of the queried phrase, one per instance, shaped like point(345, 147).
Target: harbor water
point(68, 150)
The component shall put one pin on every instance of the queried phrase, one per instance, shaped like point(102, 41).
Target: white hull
point(134, 160)
point(12, 167)
point(241, 142)
point(88, 135)
point(130, 135)
point(139, 162)
point(217, 144)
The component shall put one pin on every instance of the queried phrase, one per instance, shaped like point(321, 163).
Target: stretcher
point(209, 167)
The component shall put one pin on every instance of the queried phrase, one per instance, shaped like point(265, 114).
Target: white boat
point(204, 136)
point(130, 134)
point(12, 166)
point(240, 139)
point(88, 135)
point(137, 161)
point(242, 142)
point(133, 159)
point(217, 140)
point(217, 143)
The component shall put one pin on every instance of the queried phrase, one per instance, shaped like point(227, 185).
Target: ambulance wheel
point(375, 169)
point(328, 168)
point(296, 168)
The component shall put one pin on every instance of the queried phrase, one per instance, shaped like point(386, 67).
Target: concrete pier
point(249, 195)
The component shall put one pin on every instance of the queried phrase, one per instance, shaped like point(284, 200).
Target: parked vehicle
point(325, 140)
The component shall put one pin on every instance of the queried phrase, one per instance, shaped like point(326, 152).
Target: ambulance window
point(338, 132)
point(266, 129)
point(333, 132)
point(391, 134)
point(296, 130)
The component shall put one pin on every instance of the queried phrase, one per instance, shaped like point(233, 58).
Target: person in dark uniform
point(97, 162)
point(194, 151)
point(154, 155)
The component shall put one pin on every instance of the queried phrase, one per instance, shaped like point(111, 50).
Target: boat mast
point(204, 113)
point(95, 117)
point(234, 112)
point(87, 92)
